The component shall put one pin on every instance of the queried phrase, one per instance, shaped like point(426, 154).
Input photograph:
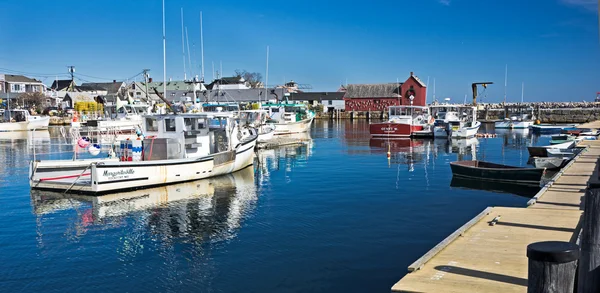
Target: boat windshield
point(407, 111)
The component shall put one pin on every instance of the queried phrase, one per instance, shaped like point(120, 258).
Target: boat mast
point(505, 82)
point(201, 48)
point(522, 91)
point(183, 47)
point(164, 54)
point(267, 76)
point(187, 40)
point(434, 88)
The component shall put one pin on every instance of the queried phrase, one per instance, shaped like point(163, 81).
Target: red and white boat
point(403, 122)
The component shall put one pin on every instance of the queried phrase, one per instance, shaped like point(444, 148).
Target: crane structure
point(474, 87)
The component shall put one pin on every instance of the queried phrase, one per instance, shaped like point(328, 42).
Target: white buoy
point(94, 149)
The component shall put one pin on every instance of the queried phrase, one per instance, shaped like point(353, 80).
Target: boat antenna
point(183, 47)
point(201, 48)
point(164, 52)
point(434, 89)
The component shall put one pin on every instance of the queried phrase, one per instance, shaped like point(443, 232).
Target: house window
point(151, 124)
point(16, 87)
point(330, 102)
point(138, 93)
point(170, 124)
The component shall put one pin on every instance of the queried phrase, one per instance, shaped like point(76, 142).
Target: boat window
point(170, 124)
point(151, 124)
point(201, 123)
point(275, 110)
point(189, 123)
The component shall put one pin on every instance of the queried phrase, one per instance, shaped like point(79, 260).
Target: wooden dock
point(488, 254)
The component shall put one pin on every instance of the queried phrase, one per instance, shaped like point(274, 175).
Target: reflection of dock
point(493, 258)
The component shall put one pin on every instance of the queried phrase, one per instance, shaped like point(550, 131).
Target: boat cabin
point(519, 112)
point(187, 135)
point(408, 114)
point(125, 111)
point(220, 107)
point(17, 115)
point(287, 113)
point(252, 117)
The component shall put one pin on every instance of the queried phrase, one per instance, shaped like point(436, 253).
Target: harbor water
point(331, 215)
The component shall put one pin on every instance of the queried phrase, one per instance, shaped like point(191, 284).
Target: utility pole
point(146, 75)
point(71, 71)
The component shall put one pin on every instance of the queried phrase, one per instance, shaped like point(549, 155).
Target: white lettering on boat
point(389, 128)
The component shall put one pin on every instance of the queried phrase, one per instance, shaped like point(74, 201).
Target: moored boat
point(561, 138)
point(516, 117)
point(549, 128)
point(288, 118)
point(496, 172)
point(549, 163)
point(403, 122)
point(542, 151)
point(21, 120)
point(177, 148)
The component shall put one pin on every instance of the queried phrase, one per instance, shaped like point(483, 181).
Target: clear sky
point(550, 45)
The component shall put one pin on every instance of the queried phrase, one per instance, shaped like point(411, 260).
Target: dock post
point(589, 264)
point(552, 266)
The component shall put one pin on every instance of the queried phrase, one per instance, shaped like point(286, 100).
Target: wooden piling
point(552, 266)
point(589, 264)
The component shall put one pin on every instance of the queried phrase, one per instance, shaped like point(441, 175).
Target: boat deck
point(481, 257)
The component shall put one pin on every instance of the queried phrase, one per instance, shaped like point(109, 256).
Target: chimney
point(150, 79)
point(411, 73)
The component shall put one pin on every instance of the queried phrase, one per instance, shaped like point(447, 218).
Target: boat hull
point(265, 134)
point(105, 176)
point(549, 162)
point(393, 130)
point(496, 172)
point(509, 124)
point(467, 131)
point(293, 127)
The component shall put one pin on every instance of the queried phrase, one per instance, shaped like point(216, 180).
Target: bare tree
point(253, 78)
point(32, 99)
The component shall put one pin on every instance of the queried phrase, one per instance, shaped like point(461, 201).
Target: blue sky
point(550, 45)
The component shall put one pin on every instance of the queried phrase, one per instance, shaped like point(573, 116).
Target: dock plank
point(491, 258)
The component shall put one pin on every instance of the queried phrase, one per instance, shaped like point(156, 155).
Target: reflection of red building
point(378, 97)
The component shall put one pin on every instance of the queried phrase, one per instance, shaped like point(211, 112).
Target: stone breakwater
point(559, 115)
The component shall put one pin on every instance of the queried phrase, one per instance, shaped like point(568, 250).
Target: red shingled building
point(378, 97)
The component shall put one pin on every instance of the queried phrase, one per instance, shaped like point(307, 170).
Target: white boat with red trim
point(403, 122)
point(177, 148)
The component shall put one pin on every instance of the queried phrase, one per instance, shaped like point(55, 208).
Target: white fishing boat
point(289, 118)
point(549, 163)
point(456, 121)
point(21, 120)
point(177, 148)
point(258, 119)
point(516, 117)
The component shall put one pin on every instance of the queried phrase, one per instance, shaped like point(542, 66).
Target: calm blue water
point(330, 216)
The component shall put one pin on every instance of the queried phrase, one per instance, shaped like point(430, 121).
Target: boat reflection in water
point(525, 190)
point(208, 209)
point(285, 157)
point(418, 149)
